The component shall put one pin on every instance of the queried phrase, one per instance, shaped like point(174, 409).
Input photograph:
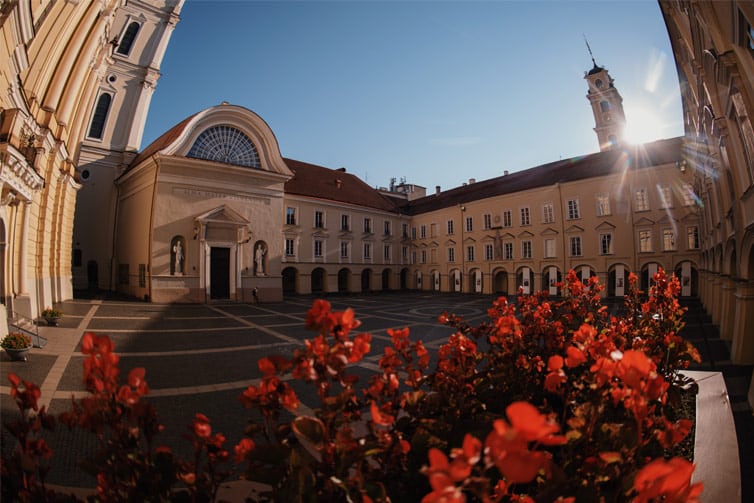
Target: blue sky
point(435, 92)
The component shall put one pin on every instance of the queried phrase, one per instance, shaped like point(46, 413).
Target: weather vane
point(589, 49)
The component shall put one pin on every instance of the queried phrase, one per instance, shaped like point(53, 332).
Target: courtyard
point(200, 358)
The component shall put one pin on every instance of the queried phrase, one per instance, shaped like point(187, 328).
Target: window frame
point(574, 212)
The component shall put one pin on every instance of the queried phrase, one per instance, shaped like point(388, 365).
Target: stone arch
point(319, 281)
point(730, 264)
point(404, 279)
point(344, 280)
point(455, 277)
point(551, 276)
point(476, 284)
point(386, 273)
point(688, 275)
point(418, 279)
point(500, 282)
point(647, 271)
point(617, 280)
point(436, 281)
point(525, 279)
point(366, 280)
point(290, 280)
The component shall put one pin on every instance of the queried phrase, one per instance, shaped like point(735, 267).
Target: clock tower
point(607, 106)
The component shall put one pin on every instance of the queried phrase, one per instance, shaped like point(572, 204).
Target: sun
point(642, 126)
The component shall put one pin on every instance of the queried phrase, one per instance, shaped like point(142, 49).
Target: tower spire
point(607, 105)
point(589, 49)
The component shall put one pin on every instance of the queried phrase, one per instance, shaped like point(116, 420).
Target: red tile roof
point(334, 185)
point(563, 171)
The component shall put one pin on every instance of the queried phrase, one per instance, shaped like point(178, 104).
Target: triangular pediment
point(605, 226)
point(644, 221)
point(222, 215)
point(526, 234)
point(689, 218)
point(666, 219)
point(469, 240)
point(574, 228)
point(488, 238)
point(549, 232)
point(450, 242)
point(320, 234)
point(508, 235)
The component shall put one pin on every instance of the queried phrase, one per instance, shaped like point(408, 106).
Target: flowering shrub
point(16, 340)
point(554, 401)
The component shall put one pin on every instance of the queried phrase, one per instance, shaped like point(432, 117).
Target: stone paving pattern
point(200, 358)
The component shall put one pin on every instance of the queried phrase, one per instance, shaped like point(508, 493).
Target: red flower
point(667, 481)
point(201, 426)
point(242, 449)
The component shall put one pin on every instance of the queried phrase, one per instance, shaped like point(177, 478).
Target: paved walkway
point(199, 358)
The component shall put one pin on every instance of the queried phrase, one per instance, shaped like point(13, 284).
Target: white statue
point(259, 259)
point(178, 261)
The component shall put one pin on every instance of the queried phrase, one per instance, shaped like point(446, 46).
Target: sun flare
point(642, 126)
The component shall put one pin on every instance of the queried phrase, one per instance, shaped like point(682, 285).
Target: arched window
point(100, 114)
point(605, 106)
point(128, 38)
point(225, 144)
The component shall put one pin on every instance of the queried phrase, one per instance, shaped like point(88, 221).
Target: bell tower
point(607, 106)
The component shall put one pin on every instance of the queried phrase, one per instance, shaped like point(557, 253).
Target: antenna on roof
point(589, 49)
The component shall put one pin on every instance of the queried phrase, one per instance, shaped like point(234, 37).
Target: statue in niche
point(177, 256)
point(259, 255)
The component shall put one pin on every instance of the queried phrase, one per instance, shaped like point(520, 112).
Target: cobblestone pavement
point(199, 358)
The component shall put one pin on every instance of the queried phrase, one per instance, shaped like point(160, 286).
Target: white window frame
point(574, 212)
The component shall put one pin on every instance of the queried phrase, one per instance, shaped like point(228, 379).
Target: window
point(526, 249)
point(645, 241)
point(344, 249)
point(100, 115)
point(423, 231)
point(573, 209)
point(603, 205)
point(387, 228)
point(424, 256)
point(666, 196)
point(450, 227)
point(317, 248)
point(368, 225)
point(344, 223)
point(525, 220)
point(746, 32)
point(668, 240)
point(605, 106)
point(550, 248)
point(367, 251)
point(692, 238)
point(413, 232)
point(451, 254)
point(470, 253)
point(642, 200)
point(290, 216)
point(688, 195)
point(404, 253)
point(127, 40)
point(413, 257)
point(508, 251)
point(404, 230)
point(548, 213)
point(489, 252)
point(469, 224)
point(576, 246)
point(507, 218)
point(606, 244)
point(225, 144)
point(487, 221)
point(319, 219)
point(387, 253)
point(289, 251)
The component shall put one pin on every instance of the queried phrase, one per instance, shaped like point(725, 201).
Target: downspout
point(151, 227)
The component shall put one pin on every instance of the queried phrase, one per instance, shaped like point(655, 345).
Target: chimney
point(472, 180)
point(505, 173)
point(437, 189)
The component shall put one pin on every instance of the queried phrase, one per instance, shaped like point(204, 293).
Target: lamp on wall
point(681, 165)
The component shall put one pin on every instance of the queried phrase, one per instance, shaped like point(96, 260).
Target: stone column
point(715, 301)
point(728, 300)
point(742, 346)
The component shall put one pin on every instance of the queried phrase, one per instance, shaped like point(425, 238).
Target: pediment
point(507, 235)
point(644, 221)
point(526, 234)
point(469, 240)
point(666, 219)
point(320, 234)
point(450, 242)
point(574, 228)
point(222, 215)
point(605, 226)
point(549, 232)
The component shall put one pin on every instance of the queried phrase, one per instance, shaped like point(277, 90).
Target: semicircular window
point(225, 144)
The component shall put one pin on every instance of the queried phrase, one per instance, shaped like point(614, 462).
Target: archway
point(617, 280)
point(404, 279)
point(647, 272)
point(344, 280)
point(366, 280)
point(475, 281)
point(501, 283)
point(290, 279)
point(436, 281)
point(551, 276)
point(687, 274)
point(455, 278)
point(386, 279)
point(524, 280)
point(318, 280)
